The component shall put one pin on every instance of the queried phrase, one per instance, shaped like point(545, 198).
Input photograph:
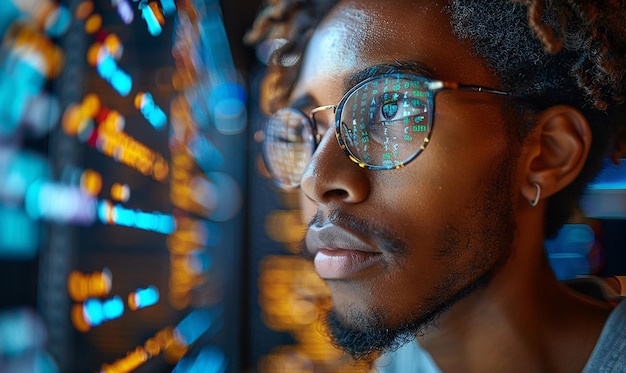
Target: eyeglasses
point(382, 123)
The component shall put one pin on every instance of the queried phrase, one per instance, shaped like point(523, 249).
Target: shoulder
point(609, 354)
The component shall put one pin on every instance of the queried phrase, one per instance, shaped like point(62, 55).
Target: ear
point(557, 150)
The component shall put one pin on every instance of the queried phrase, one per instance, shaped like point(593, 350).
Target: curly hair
point(293, 22)
point(570, 52)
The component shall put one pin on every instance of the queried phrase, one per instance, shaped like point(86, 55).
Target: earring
point(535, 201)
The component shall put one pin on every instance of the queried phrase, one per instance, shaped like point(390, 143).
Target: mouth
point(337, 264)
point(339, 254)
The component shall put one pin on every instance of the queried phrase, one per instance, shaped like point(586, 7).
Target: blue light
point(207, 156)
point(193, 326)
point(21, 331)
point(92, 309)
point(106, 66)
point(200, 261)
point(155, 221)
point(154, 28)
point(157, 118)
point(224, 106)
point(19, 82)
point(123, 216)
point(166, 224)
point(124, 10)
point(214, 234)
point(153, 113)
point(8, 13)
point(19, 235)
point(168, 6)
point(143, 219)
point(113, 308)
point(146, 297)
point(227, 101)
point(611, 177)
point(568, 251)
point(24, 168)
point(103, 211)
point(60, 203)
point(96, 311)
point(122, 82)
point(209, 360)
point(109, 71)
point(229, 194)
point(605, 198)
point(58, 22)
point(572, 238)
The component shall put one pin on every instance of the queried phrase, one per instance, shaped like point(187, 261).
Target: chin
point(364, 330)
point(365, 334)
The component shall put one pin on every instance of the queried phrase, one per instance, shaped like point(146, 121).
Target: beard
point(488, 232)
point(373, 334)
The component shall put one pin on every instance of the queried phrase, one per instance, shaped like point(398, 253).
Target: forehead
point(359, 34)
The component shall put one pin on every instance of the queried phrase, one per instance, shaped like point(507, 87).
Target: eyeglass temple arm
point(322, 108)
point(439, 85)
point(314, 111)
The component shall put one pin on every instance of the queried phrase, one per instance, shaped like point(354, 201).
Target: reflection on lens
point(287, 146)
point(384, 121)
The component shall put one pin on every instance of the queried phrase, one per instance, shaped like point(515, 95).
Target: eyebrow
point(413, 67)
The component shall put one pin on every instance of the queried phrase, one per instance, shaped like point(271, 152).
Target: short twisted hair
point(570, 52)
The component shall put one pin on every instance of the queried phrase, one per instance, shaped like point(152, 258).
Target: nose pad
point(332, 177)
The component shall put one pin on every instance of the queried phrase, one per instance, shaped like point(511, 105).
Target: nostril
point(336, 193)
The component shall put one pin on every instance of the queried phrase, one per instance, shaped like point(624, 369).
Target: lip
point(339, 254)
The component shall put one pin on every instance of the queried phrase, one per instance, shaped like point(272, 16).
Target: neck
point(524, 320)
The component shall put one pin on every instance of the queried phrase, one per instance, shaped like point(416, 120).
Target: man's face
point(397, 247)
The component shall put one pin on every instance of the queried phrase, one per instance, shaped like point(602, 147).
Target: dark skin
point(460, 211)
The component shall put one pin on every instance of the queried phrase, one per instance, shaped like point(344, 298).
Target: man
point(437, 144)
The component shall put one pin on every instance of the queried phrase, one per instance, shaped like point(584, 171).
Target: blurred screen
point(122, 161)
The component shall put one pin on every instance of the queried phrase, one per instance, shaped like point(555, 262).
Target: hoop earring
point(535, 201)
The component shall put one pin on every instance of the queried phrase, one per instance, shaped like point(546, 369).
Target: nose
point(332, 177)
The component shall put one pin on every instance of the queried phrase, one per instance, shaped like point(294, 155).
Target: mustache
point(368, 229)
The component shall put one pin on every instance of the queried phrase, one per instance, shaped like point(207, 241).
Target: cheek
point(308, 208)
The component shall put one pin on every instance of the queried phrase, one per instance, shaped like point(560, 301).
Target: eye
point(287, 126)
point(389, 106)
point(399, 107)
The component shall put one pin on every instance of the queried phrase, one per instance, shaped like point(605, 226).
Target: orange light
point(42, 11)
point(114, 122)
point(132, 304)
point(84, 9)
point(161, 169)
point(91, 182)
point(90, 105)
point(152, 347)
point(92, 54)
point(129, 363)
point(76, 286)
point(39, 50)
point(109, 212)
point(93, 23)
point(71, 121)
point(82, 286)
point(78, 319)
point(174, 351)
point(120, 192)
point(157, 12)
point(114, 45)
point(138, 100)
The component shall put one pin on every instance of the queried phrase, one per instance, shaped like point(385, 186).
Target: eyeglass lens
point(384, 122)
point(288, 146)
